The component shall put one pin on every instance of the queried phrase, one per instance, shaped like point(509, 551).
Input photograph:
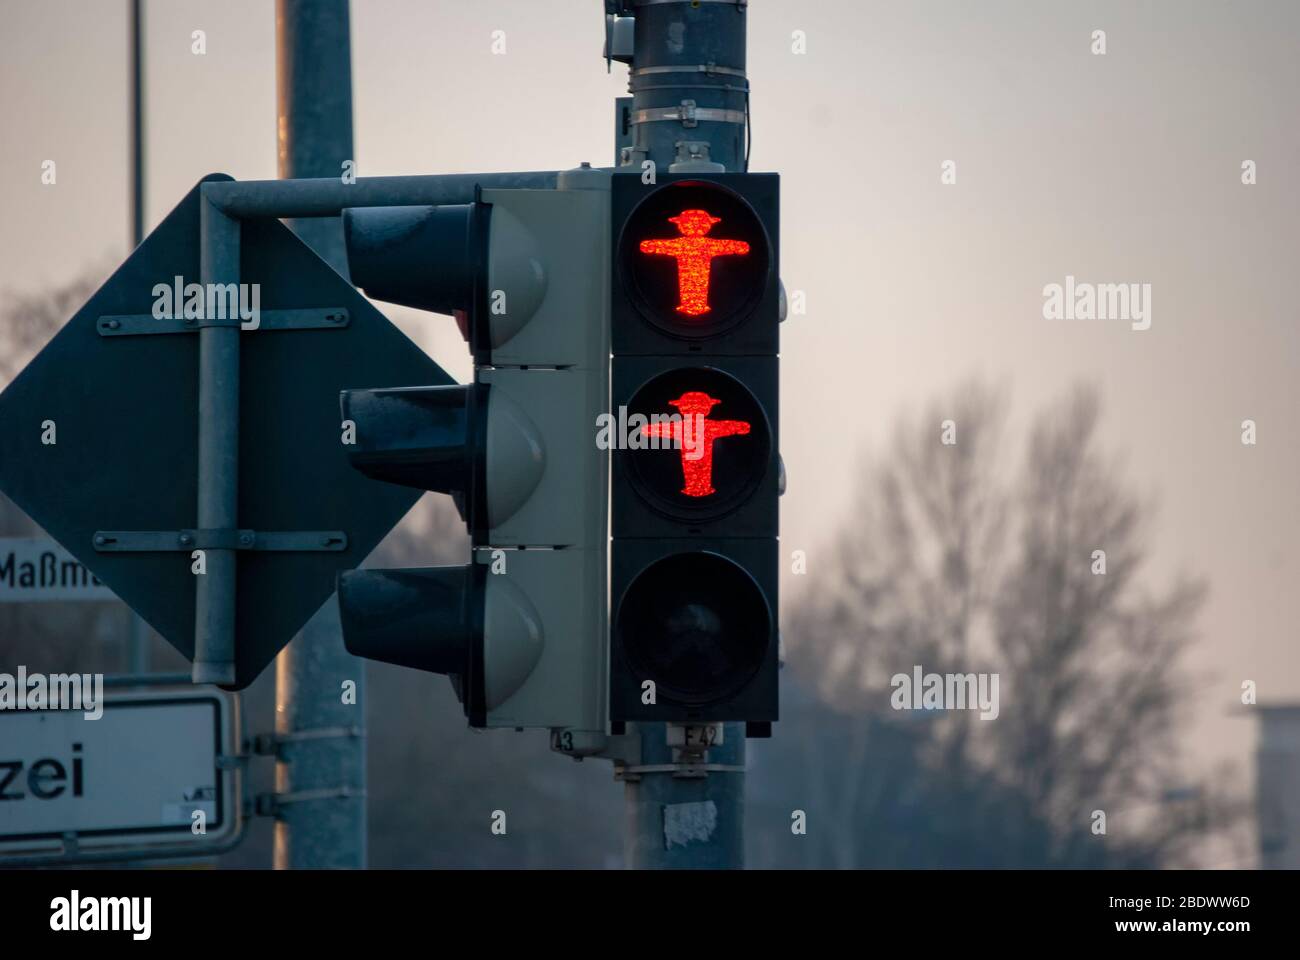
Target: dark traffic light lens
point(694, 258)
point(697, 625)
point(433, 438)
point(427, 619)
point(704, 447)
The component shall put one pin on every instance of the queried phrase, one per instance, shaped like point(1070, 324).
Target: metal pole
point(675, 821)
point(138, 635)
point(690, 94)
point(328, 196)
point(214, 599)
point(321, 766)
point(137, 122)
point(314, 92)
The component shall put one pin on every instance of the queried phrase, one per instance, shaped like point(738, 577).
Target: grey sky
point(1117, 168)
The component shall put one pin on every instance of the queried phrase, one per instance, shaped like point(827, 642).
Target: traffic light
point(695, 304)
point(520, 628)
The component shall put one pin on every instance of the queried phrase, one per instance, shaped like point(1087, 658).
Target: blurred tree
point(29, 321)
point(959, 562)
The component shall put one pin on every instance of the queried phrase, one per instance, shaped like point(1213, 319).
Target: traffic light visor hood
point(429, 258)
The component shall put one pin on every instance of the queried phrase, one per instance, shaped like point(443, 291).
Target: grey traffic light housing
point(516, 268)
point(521, 628)
point(511, 628)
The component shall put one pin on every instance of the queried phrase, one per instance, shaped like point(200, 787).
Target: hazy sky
point(1117, 168)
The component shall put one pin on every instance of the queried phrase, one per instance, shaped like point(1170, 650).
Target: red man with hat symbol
point(696, 439)
point(694, 251)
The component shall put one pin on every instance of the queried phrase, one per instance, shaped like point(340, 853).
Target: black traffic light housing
point(648, 491)
point(695, 308)
point(745, 288)
point(711, 650)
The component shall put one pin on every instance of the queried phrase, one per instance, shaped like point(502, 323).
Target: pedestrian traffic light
point(519, 629)
point(695, 302)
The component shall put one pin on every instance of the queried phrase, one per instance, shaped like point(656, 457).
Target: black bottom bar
point(926, 909)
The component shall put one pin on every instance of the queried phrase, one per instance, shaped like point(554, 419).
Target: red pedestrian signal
point(694, 251)
point(694, 434)
point(695, 475)
point(703, 443)
point(694, 259)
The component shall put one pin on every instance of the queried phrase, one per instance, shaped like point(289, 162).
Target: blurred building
point(1277, 793)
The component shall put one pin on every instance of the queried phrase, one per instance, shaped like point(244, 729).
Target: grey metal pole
point(677, 822)
point(687, 117)
point(137, 122)
point(690, 93)
point(214, 597)
point(314, 92)
point(327, 196)
point(138, 636)
point(320, 724)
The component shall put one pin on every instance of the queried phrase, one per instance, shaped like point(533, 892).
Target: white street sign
point(32, 570)
point(148, 778)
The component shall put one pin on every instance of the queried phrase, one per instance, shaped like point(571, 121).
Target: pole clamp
point(742, 4)
point(271, 744)
point(688, 114)
point(709, 69)
point(681, 771)
point(270, 804)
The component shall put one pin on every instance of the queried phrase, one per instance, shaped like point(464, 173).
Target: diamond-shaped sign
point(99, 433)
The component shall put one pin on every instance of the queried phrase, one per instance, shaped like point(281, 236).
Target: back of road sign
point(99, 433)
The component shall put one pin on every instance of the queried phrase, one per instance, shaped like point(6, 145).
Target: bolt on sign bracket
point(161, 541)
point(146, 324)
